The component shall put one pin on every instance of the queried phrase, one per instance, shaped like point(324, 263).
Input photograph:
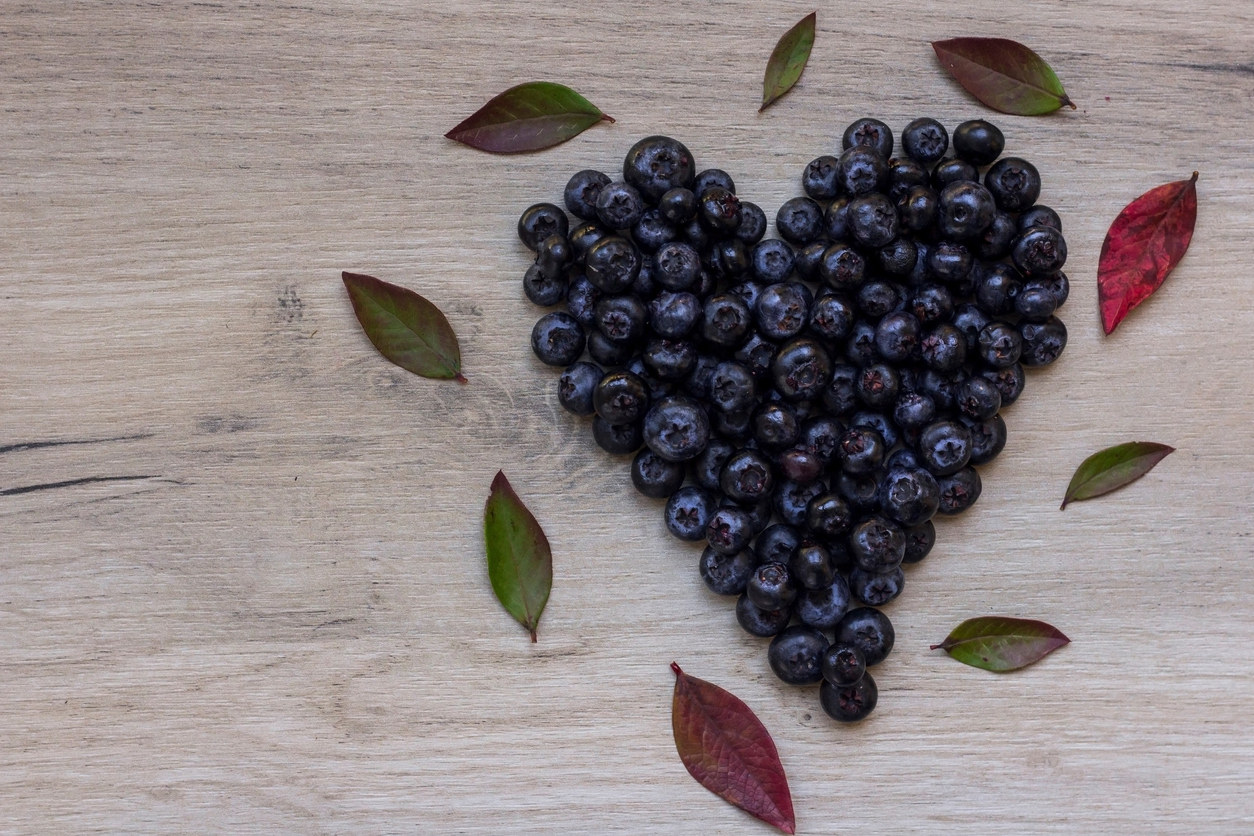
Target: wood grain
point(242, 584)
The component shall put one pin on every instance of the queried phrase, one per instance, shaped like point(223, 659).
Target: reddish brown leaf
point(1004, 74)
point(728, 750)
point(1144, 244)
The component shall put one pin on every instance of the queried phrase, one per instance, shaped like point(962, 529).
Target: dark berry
point(850, 703)
point(688, 513)
point(836, 219)
point(978, 142)
point(879, 385)
point(1009, 382)
point(904, 175)
point(678, 206)
point(732, 387)
point(553, 254)
point(748, 290)
point(801, 369)
point(828, 516)
point(672, 315)
point(756, 354)
point(771, 261)
point(719, 210)
point(812, 566)
point(925, 140)
point(654, 476)
point(1014, 184)
point(726, 574)
point(818, 180)
point(877, 544)
point(877, 422)
point(897, 257)
point(652, 231)
point(729, 530)
point(707, 467)
point(612, 264)
point(1001, 344)
point(759, 622)
point(775, 426)
point(1056, 284)
point(752, 223)
point(879, 297)
point(619, 206)
point(783, 309)
point(951, 171)
point(725, 319)
point(606, 352)
point(949, 261)
point(903, 458)
point(792, 500)
point(1039, 216)
point(914, 410)
point(994, 242)
point(998, 286)
point(582, 191)
point(545, 288)
point(944, 349)
point(796, 655)
point(873, 589)
point(616, 439)
point(897, 339)
point(557, 339)
point(771, 587)
point(843, 665)
point(970, 320)
point(959, 491)
point(807, 259)
point(832, 317)
point(917, 208)
point(909, 496)
point(840, 397)
point(584, 236)
point(1034, 303)
point(747, 477)
point(729, 259)
point(930, 304)
point(696, 235)
point(736, 426)
point(675, 265)
point(823, 608)
point(945, 447)
point(919, 541)
point(821, 436)
point(941, 387)
point(777, 544)
point(576, 385)
point(658, 388)
point(621, 398)
point(676, 429)
point(872, 219)
point(621, 318)
point(870, 631)
point(800, 466)
point(713, 178)
point(988, 438)
point(842, 267)
point(1039, 251)
point(539, 222)
point(657, 164)
point(799, 220)
point(860, 346)
point(966, 210)
point(869, 133)
point(759, 514)
point(862, 170)
point(859, 490)
point(978, 398)
point(1043, 342)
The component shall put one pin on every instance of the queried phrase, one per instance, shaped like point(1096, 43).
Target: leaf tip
point(675, 667)
point(605, 117)
point(499, 482)
point(460, 378)
point(1063, 506)
point(1066, 100)
point(935, 647)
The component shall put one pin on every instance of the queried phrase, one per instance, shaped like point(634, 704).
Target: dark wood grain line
point(68, 483)
point(36, 445)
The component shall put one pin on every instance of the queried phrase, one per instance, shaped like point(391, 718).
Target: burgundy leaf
point(406, 328)
point(1003, 74)
point(728, 750)
point(1144, 244)
point(528, 117)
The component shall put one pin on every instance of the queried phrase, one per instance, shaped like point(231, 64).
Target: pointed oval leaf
point(520, 563)
point(529, 117)
point(406, 328)
point(1144, 244)
point(1003, 74)
point(997, 643)
point(1113, 468)
point(728, 750)
point(788, 60)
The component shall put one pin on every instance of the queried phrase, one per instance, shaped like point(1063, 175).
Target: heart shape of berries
point(844, 379)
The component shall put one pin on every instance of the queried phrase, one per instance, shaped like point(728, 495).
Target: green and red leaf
point(1003, 74)
point(405, 327)
point(1113, 468)
point(997, 643)
point(520, 562)
point(529, 117)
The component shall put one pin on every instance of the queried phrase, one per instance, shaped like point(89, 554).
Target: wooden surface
point(242, 587)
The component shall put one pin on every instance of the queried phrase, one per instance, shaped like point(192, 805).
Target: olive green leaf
point(1113, 468)
point(520, 563)
point(406, 328)
point(529, 117)
point(1000, 644)
point(788, 60)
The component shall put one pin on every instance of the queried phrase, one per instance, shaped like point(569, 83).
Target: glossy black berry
point(821, 435)
point(557, 339)
point(1000, 344)
point(752, 223)
point(877, 544)
point(941, 387)
point(949, 261)
point(707, 467)
point(718, 210)
point(874, 589)
point(771, 587)
point(675, 266)
point(584, 236)
point(978, 142)
point(616, 439)
point(672, 315)
point(880, 423)
point(729, 260)
point(860, 491)
point(732, 387)
point(850, 703)
point(812, 566)
point(775, 426)
point(657, 164)
point(545, 288)
point(860, 345)
point(994, 243)
point(801, 369)
point(970, 320)
point(823, 608)
point(539, 222)
point(897, 339)
point(997, 288)
point(796, 655)
point(843, 665)
point(726, 574)
point(621, 318)
point(872, 219)
point(840, 396)
point(904, 175)
point(951, 171)
point(713, 178)
point(930, 303)
point(878, 298)
point(654, 476)
point(749, 290)
point(1035, 303)
point(870, 631)
point(818, 180)
point(688, 512)
point(1014, 183)
point(575, 387)
point(879, 385)
point(1039, 215)
point(619, 206)
point(1009, 382)
point(807, 259)
point(925, 140)
point(756, 354)
point(988, 438)
point(771, 261)
point(1056, 284)
point(897, 258)
point(832, 317)
point(652, 231)
point(799, 220)
point(917, 209)
point(1039, 251)
point(1043, 342)
point(783, 309)
point(869, 133)
point(735, 426)
point(966, 210)
point(862, 170)
point(909, 496)
point(919, 541)
point(945, 447)
point(959, 491)
point(725, 320)
point(978, 398)
point(914, 410)
point(944, 349)
point(759, 514)
point(678, 206)
point(842, 267)
point(729, 530)
point(828, 516)
point(836, 219)
point(676, 429)
point(759, 622)
point(582, 191)
point(621, 398)
point(777, 543)
point(747, 477)
point(606, 352)
point(612, 264)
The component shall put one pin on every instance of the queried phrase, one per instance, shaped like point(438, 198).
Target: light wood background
point(242, 587)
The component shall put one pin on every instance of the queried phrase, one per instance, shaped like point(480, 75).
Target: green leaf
point(1003, 74)
point(406, 328)
point(1113, 468)
point(529, 117)
point(997, 643)
point(520, 563)
point(788, 60)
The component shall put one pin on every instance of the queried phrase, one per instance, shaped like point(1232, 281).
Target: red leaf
point(1144, 244)
point(728, 750)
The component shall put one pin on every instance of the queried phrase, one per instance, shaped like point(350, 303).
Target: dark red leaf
point(728, 750)
point(1004, 74)
point(1144, 244)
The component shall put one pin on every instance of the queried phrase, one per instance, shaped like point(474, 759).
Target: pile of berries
point(840, 382)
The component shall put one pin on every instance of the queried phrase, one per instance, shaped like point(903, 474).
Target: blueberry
point(872, 219)
point(807, 259)
point(821, 436)
point(951, 171)
point(582, 191)
point(707, 467)
point(1014, 183)
point(1056, 284)
point(713, 178)
point(696, 235)
point(860, 346)
point(747, 477)
point(759, 622)
point(735, 426)
point(874, 589)
point(619, 206)
point(756, 354)
point(919, 541)
point(1035, 303)
point(799, 220)
point(828, 516)
point(771, 587)
point(546, 288)
point(616, 439)
point(930, 304)
point(801, 369)
point(823, 608)
point(729, 530)
point(652, 231)
point(732, 387)
point(777, 543)
point(879, 297)
point(728, 259)
point(557, 339)
point(925, 140)
point(607, 352)
point(621, 318)
point(1000, 344)
point(877, 422)
point(997, 289)
point(726, 574)
point(860, 491)
point(811, 565)
point(909, 496)
point(944, 349)
point(836, 219)
point(584, 236)
point(843, 665)
point(775, 426)
point(917, 208)
point(759, 514)
point(676, 429)
point(959, 491)
point(898, 257)
point(878, 386)
point(978, 398)
point(783, 309)
point(752, 223)
point(862, 170)
point(675, 265)
point(850, 703)
point(840, 397)
point(688, 513)
point(945, 447)
point(678, 206)
point(718, 210)
point(902, 459)
point(988, 438)
point(798, 465)
point(897, 339)
point(612, 264)
point(672, 315)
point(654, 476)
point(771, 261)
point(1039, 215)
point(832, 317)
point(904, 175)
point(941, 387)
point(1009, 382)
point(966, 209)
point(870, 631)
point(576, 385)
point(657, 164)
point(877, 544)
point(792, 499)
point(970, 320)
point(796, 655)
point(914, 410)
point(818, 180)
point(725, 320)
point(842, 267)
point(621, 398)
point(539, 222)
point(869, 133)
point(978, 142)
point(1043, 342)
point(748, 290)
point(1039, 251)
point(949, 261)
